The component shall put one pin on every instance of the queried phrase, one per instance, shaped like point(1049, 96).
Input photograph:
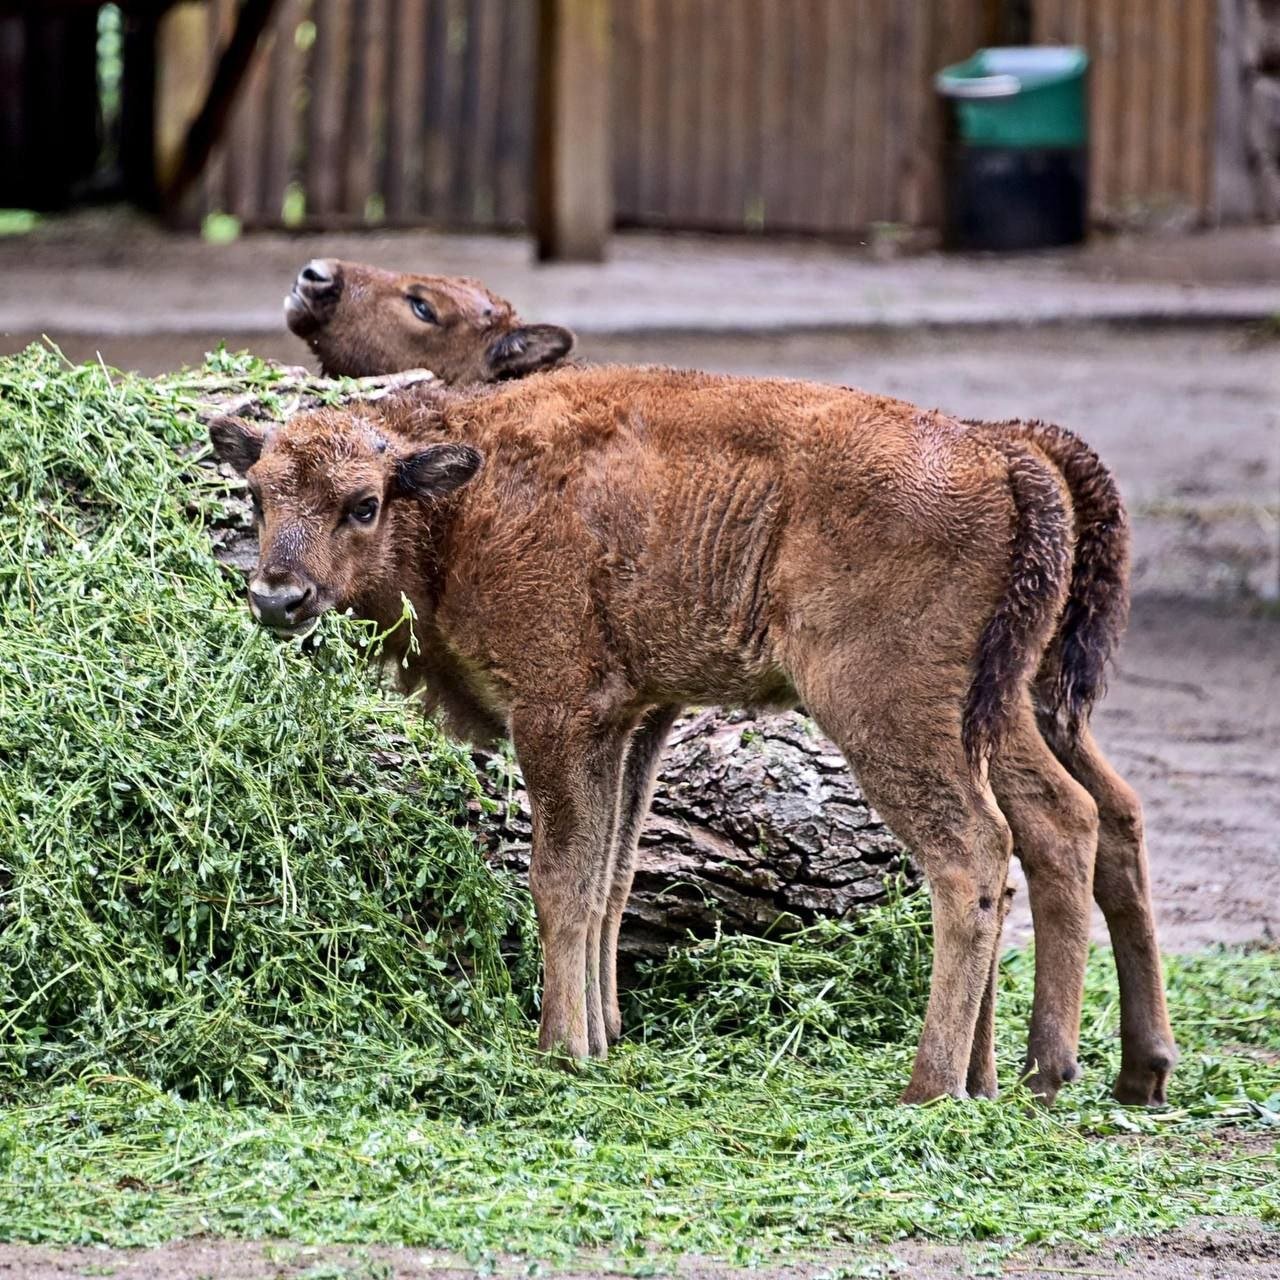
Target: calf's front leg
point(572, 766)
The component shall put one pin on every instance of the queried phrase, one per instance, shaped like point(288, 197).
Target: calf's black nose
point(280, 607)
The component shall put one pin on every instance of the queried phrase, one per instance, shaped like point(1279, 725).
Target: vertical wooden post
point(573, 180)
point(181, 81)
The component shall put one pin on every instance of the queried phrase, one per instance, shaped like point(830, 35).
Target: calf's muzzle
point(287, 607)
point(315, 294)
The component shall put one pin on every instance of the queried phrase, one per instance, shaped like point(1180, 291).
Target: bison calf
point(588, 551)
point(360, 319)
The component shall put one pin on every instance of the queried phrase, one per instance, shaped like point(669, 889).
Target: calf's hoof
point(917, 1093)
point(612, 1026)
point(565, 1048)
point(599, 1046)
point(1143, 1084)
point(1045, 1081)
point(981, 1082)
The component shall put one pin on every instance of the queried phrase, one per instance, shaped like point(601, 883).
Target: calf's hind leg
point(1122, 888)
point(920, 782)
point(1055, 831)
point(572, 768)
point(981, 1080)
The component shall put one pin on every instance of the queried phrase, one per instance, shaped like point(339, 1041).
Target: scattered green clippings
point(254, 983)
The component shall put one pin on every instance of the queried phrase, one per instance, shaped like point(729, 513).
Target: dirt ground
point(1190, 420)
point(1241, 1252)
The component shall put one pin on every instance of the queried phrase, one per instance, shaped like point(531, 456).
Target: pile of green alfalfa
point(253, 982)
point(206, 879)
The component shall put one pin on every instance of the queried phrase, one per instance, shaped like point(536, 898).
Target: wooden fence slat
point(364, 128)
point(647, 124)
point(514, 165)
point(1199, 43)
point(773, 115)
point(280, 113)
point(865, 168)
point(1135, 100)
point(483, 199)
point(1166, 109)
point(220, 19)
point(710, 88)
point(1048, 22)
point(752, 100)
point(465, 141)
point(809, 71)
point(328, 86)
point(1107, 117)
point(403, 182)
point(624, 104)
point(733, 114)
point(683, 158)
point(246, 137)
point(836, 95)
point(890, 116)
point(921, 160)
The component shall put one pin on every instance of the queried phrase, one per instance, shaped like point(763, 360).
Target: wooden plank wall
point(783, 114)
point(796, 115)
point(380, 111)
point(1151, 100)
point(790, 115)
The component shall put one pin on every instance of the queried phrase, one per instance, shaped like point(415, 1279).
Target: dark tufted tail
point(1073, 676)
point(1014, 639)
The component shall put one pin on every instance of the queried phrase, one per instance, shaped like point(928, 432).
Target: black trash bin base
point(1006, 198)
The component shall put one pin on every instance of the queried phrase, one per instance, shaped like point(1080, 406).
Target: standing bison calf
point(588, 551)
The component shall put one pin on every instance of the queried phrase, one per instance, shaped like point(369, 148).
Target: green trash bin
point(1017, 148)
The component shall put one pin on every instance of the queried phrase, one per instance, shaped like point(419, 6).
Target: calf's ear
point(527, 349)
point(431, 473)
point(236, 442)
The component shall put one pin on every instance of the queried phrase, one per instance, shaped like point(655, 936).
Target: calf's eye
point(422, 309)
point(364, 512)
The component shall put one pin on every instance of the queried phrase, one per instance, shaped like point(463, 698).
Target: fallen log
point(757, 825)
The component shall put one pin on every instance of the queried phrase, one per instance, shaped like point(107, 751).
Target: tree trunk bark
point(757, 826)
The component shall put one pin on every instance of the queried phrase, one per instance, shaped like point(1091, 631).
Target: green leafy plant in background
point(256, 980)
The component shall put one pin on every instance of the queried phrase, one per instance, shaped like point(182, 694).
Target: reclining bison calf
point(359, 320)
point(589, 551)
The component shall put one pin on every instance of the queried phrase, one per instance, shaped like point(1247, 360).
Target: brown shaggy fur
point(587, 551)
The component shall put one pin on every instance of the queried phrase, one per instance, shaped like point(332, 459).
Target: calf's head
point(361, 321)
point(330, 489)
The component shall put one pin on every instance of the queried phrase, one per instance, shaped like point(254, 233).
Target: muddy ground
point(1190, 420)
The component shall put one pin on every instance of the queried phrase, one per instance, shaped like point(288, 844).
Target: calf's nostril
point(298, 600)
point(315, 272)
